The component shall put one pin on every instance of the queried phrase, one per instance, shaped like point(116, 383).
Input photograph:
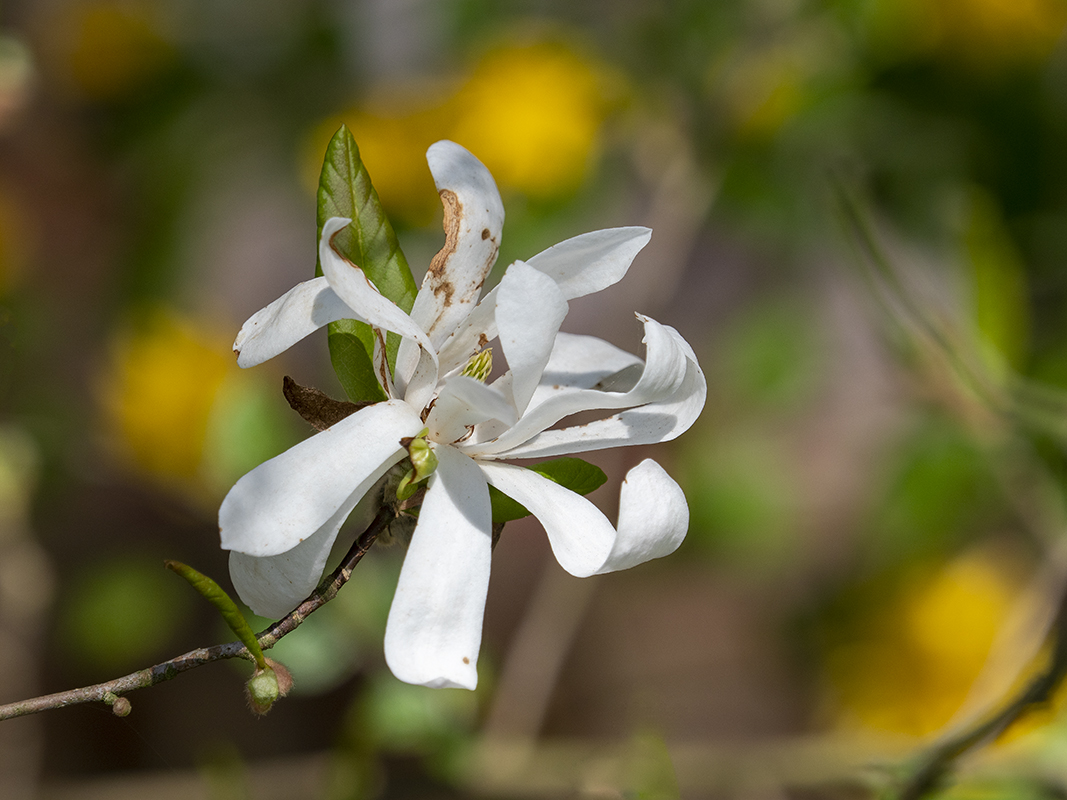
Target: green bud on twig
point(423, 464)
point(267, 685)
point(120, 706)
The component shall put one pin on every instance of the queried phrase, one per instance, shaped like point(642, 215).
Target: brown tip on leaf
point(317, 408)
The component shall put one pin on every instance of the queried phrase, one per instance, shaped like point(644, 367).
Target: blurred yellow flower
point(532, 115)
point(108, 48)
point(160, 390)
point(915, 664)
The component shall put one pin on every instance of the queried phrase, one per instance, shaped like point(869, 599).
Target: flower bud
point(262, 690)
point(121, 707)
point(267, 685)
point(423, 463)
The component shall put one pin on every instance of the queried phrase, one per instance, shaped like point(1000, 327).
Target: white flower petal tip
point(302, 310)
point(434, 631)
point(591, 261)
point(653, 517)
point(473, 221)
point(332, 226)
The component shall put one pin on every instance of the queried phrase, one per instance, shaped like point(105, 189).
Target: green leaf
point(351, 346)
point(215, 595)
point(572, 473)
point(370, 243)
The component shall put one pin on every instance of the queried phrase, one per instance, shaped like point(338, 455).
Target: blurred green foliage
point(120, 613)
point(157, 156)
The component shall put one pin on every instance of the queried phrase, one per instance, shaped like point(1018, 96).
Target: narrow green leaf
point(572, 473)
point(215, 595)
point(370, 243)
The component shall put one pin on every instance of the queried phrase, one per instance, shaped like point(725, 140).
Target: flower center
point(479, 365)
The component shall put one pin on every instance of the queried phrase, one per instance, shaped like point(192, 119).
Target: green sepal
point(215, 595)
point(571, 473)
point(370, 243)
point(423, 464)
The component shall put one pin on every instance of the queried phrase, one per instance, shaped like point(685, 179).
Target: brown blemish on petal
point(466, 660)
point(485, 233)
point(452, 221)
point(483, 340)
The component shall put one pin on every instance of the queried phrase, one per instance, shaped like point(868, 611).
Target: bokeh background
point(875, 548)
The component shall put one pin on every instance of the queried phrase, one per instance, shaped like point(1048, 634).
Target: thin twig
point(107, 692)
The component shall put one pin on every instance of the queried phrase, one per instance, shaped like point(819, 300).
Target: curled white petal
point(585, 362)
point(657, 421)
point(529, 310)
point(302, 310)
point(434, 630)
point(285, 500)
point(368, 304)
point(592, 261)
point(665, 373)
point(653, 517)
point(359, 294)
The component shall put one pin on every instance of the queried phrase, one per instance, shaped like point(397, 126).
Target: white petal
point(658, 421)
point(592, 261)
point(474, 218)
point(285, 500)
point(464, 402)
point(273, 586)
point(653, 517)
point(303, 309)
point(665, 373)
point(583, 362)
point(529, 310)
point(581, 265)
point(352, 285)
point(435, 623)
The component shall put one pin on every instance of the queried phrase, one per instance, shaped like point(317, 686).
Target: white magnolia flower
point(281, 519)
